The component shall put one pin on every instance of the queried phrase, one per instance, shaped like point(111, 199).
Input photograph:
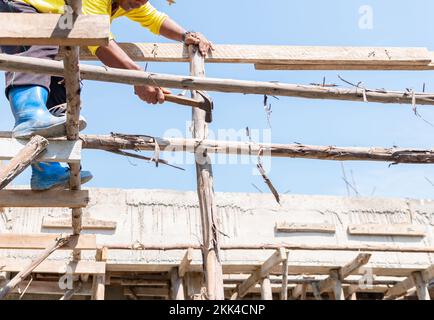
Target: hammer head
point(207, 104)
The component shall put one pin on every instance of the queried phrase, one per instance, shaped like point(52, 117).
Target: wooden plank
point(50, 288)
point(403, 230)
point(57, 151)
point(53, 29)
point(22, 160)
point(263, 54)
point(278, 257)
point(44, 199)
point(400, 288)
point(88, 224)
point(147, 292)
point(345, 66)
point(133, 77)
point(185, 263)
point(292, 227)
point(41, 241)
point(55, 267)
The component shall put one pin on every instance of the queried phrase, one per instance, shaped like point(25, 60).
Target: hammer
point(204, 102)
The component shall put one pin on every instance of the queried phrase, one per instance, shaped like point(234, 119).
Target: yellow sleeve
point(148, 17)
point(91, 7)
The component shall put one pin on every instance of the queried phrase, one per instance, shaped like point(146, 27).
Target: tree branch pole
point(59, 242)
point(22, 160)
point(205, 189)
point(73, 90)
point(131, 77)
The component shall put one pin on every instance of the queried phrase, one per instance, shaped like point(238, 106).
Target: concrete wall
point(163, 217)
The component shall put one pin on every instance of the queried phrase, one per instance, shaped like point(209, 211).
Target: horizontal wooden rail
point(43, 199)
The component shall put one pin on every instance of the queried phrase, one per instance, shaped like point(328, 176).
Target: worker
point(38, 101)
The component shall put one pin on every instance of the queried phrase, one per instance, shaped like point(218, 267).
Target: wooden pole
point(132, 77)
point(421, 286)
point(146, 143)
point(177, 285)
point(284, 292)
point(266, 293)
point(73, 90)
point(59, 242)
point(22, 160)
point(205, 188)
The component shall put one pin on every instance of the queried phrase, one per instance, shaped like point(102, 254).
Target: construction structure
point(114, 244)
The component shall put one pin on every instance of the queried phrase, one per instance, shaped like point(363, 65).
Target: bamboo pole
point(59, 242)
point(22, 160)
point(132, 77)
point(205, 189)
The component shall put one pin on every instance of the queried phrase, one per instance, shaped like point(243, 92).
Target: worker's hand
point(199, 39)
point(151, 95)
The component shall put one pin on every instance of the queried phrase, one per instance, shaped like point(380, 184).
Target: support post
point(205, 187)
point(266, 293)
point(421, 286)
point(177, 285)
point(73, 90)
point(22, 160)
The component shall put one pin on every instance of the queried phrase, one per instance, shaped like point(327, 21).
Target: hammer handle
point(182, 100)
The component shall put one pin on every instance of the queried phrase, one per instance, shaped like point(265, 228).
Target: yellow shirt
point(146, 15)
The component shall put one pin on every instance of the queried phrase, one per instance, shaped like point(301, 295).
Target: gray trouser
point(57, 90)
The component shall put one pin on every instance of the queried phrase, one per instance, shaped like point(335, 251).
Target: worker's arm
point(113, 56)
point(171, 30)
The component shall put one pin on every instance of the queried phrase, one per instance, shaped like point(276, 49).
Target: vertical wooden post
point(266, 293)
point(177, 285)
point(338, 292)
point(421, 286)
point(284, 292)
point(205, 188)
point(73, 90)
point(98, 284)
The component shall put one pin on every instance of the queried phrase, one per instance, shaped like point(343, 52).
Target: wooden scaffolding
point(213, 279)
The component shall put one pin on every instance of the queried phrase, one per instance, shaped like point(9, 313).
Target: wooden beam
point(24, 273)
point(98, 287)
point(266, 293)
point(185, 263)
point(291, 227)
point(338, 292)
point(44, 199)
point(56, 151)
point(50, 288)
point(402, 230)
point(54, 29)
point(132, 77)
point(263, 54)
point(146, 292)
point(56, 267)
point(343, 272)
point(205, 190)
point(329, 153)
point(22, 160)
point(88, 224)
point(414, 280)
point(41, 241)
point(177, 285)
point(278, 257)
point(345, 66)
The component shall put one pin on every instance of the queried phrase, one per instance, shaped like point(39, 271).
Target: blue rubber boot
point(47, 176)
point(28, 104)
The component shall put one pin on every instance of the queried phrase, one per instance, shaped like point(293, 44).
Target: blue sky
point(114, 108)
